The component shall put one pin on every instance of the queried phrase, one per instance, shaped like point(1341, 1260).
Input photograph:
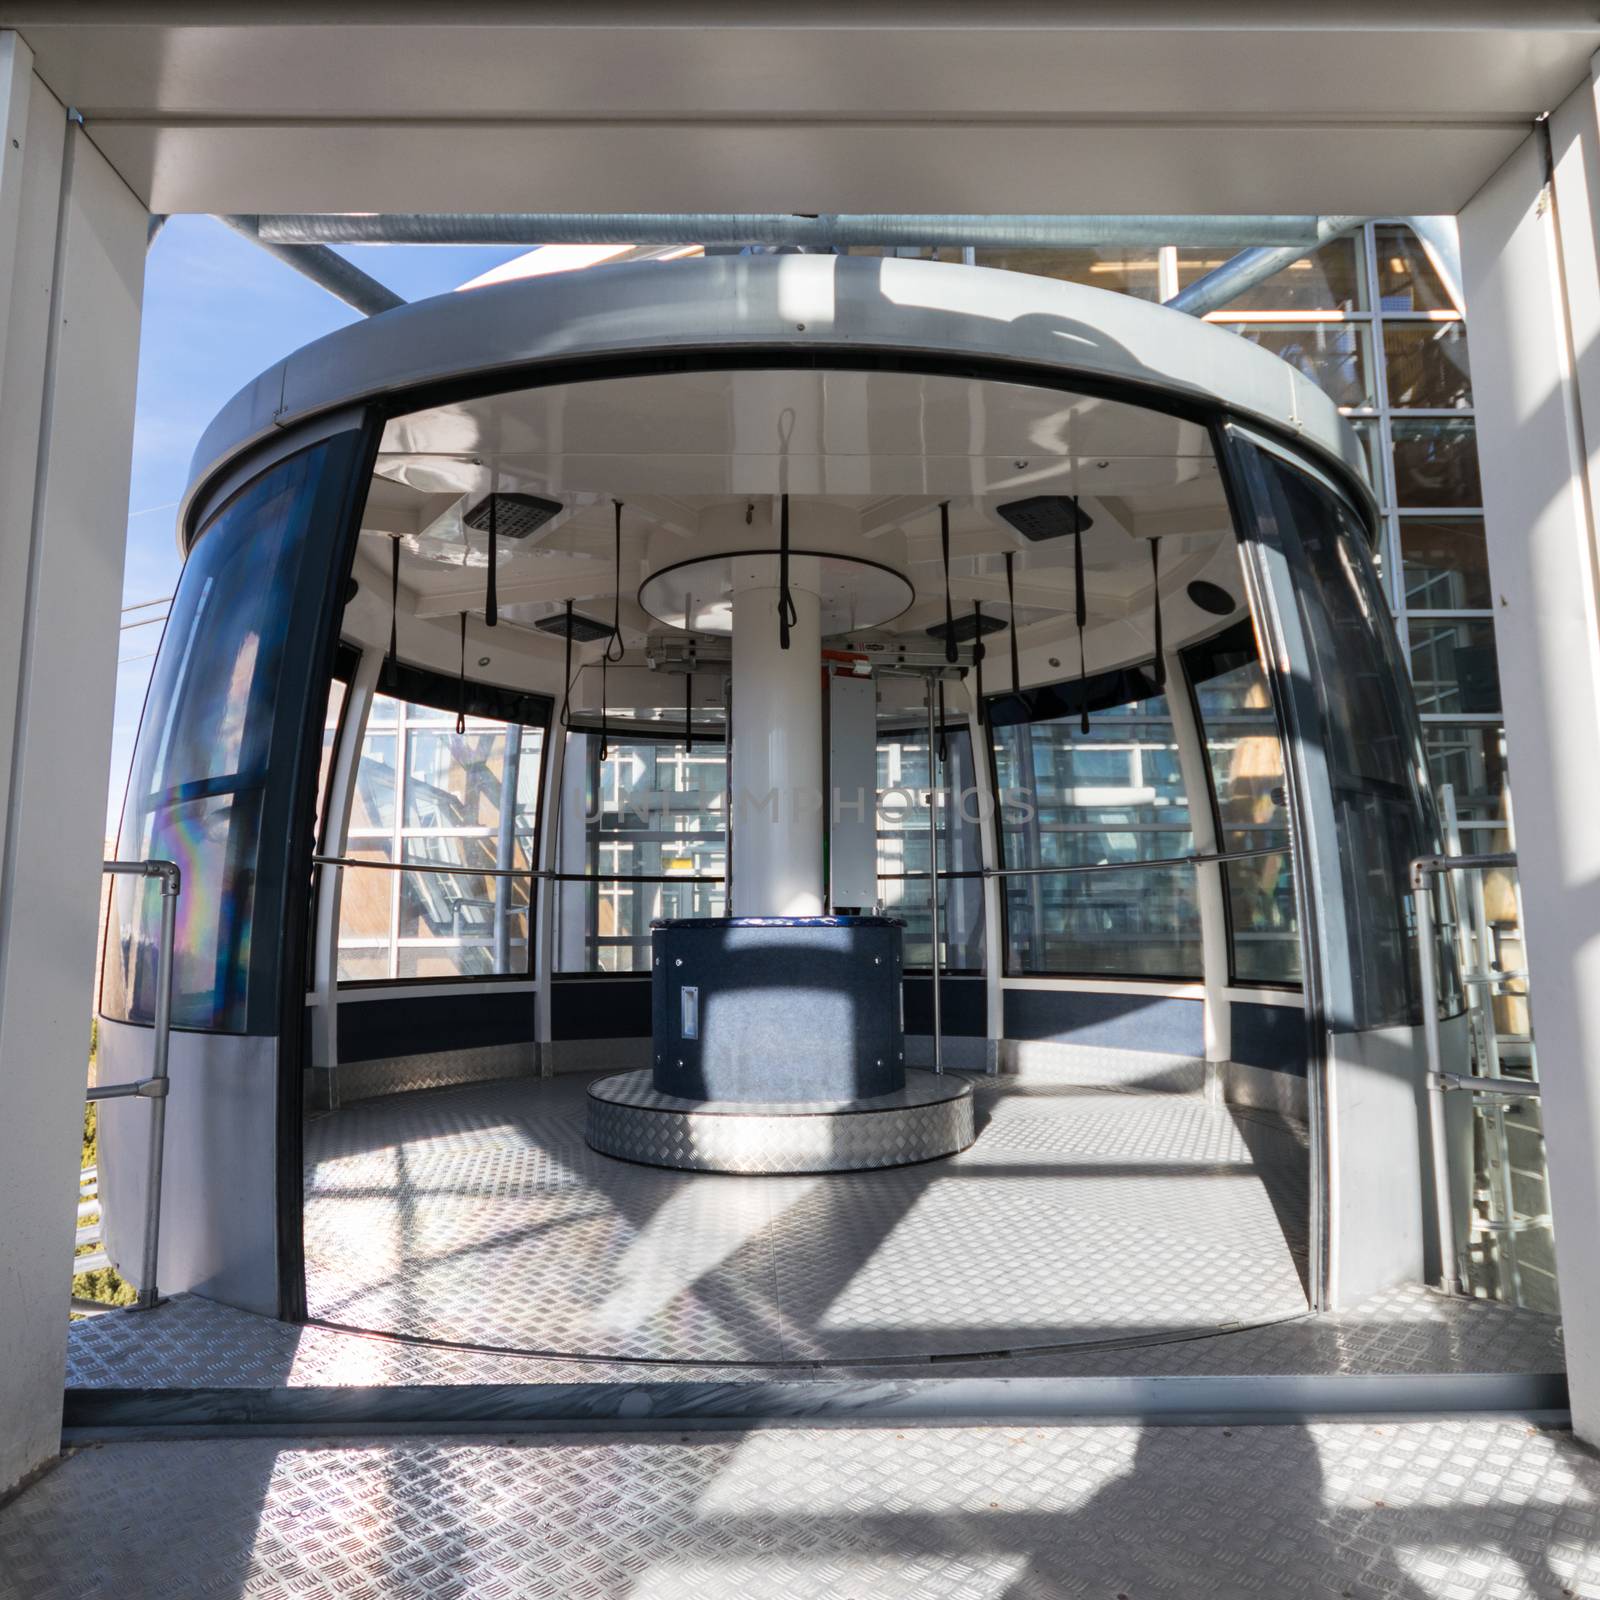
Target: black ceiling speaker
point(1212, 597)
point(1046, 516)
point(516, 515)
point(965, 627)
point(585, 630)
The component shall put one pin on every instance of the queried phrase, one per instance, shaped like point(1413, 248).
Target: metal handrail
point(1440, 1082)
point(154, 1088)
point(461, 869)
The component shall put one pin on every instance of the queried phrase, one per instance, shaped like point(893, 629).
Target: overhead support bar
point(1254, 266)
point(782, 228)
point(324, 268)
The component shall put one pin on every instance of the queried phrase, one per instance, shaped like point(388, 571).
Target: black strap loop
point(1011, 601)
point(950, 653)
point(944, 742)
point(566, 675)
point(615, 641)
point(461, 701)
point(491, 596)
point(788, 617)
point(1155, 585)
point(1083, 617)
point(688, 713)
point(605, 737)
point(392, 666)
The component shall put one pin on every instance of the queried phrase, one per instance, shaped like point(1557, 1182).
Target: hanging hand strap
point(1083, 617)
point(978, 653)
point(392, 666)
point(605, 740)
point(461, 687)
point(1011, 602)
point(1155, 584)
point(950, 652)
point(566, 675)
point(944, 742)
point(491, 597)
point(688, 713)
point(788, 617)
point(615, 641)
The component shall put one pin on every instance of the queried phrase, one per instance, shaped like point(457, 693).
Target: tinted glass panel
point(204, 760)
point(1112, 795)
point(1427, 365)
point(1472, 760)
point(903, 848)
point(1366, 732)
point(1453, 666)
point(1446, 564)
point(1328, 279)
point(1435, 462)
point(1406, 279)
point(1130, 271)
point(1334, 355)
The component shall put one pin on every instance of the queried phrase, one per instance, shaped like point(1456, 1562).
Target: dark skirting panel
point(1108, 1021)
point(963, 1007)
point(420, 1024)
point(600, 1008)
point(1270, 1037)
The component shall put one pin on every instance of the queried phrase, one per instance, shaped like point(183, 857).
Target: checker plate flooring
point(479, 1216)
point(1457, 1509)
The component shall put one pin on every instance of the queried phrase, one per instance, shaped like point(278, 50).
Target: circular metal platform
point(930, 1117)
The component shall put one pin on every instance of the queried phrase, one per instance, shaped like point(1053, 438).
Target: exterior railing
point(154, 1088)
point(1450, 901)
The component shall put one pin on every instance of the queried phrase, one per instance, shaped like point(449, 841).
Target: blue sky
point(217, 310)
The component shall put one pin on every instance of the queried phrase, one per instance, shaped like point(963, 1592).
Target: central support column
point(777, 752)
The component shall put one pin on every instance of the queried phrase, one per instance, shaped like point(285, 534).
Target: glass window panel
point(338, 691)
point(903, 848)
point(1245, 758)
point(653, 808)
point(468, 800)
point(1435, 462)
point(1326, 279)
point(203, 758)
point(1114, 794)
point(1126, 271)
point(1337, 356)
point(366, 898)
point(1427, 365)
point(1406, 278)
point(1453, 666)
point(1446, 562)
point(1381, 814)
point(1472, 761)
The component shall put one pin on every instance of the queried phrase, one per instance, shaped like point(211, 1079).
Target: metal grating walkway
point(477, 1215)
point(1467, 1509)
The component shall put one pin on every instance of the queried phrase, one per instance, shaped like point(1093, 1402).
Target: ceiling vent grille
point(517, 516)
point(1046, 516)
point(966, 628)
point(585, 630)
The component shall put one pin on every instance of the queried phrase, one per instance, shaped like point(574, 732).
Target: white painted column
point(72, 242)
point(1210, 881)
point(777, 754)
point(1533, 298)
point(330, 880)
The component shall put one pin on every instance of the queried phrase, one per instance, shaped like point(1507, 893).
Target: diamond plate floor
point(479, 1216)
point(1464, 1509)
